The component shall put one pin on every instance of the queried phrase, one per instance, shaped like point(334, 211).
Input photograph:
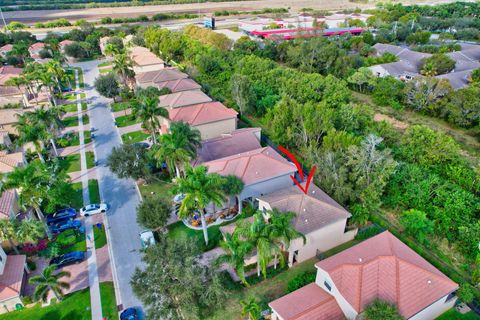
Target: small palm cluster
point(267, 236)
point(49, 281)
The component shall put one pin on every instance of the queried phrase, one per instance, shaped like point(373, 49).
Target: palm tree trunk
point(14, 247)
point(59, 298)
point(275, 261)
point(54, 147)
point(40, 156)
point(177, 172)
point(204, 226)
point(258, 266)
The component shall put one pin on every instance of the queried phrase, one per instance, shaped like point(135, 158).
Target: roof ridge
point(278, 160)
point(297, 316)
point(197, 113)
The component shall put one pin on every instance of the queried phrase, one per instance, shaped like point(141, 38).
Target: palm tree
point(148, 112)
point(186, 137)
point(235, 252)
point(54, 68)
point(7, 233)
point(167, 151)
point(200, 189)
point(283, 230)
point(48, 281)
point(250, 307)
point(35, 133)
point(233, 186)
point(122, 66)
point(261, 234)
point(23, 231)
point(46, 80)
point(50, 119)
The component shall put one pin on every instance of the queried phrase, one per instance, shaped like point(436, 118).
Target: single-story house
point(183, 99)
point(409, 63)
point(212, 119)
point(9, 204)
point(153, 78)
point(4, 50)
point(13, 279)
point(144, 60)
point(63, 44)
point(179, 85)
point(8, 118)
point(381, 267)
point(10, 161)
point(262, 171)
point(235, 142)
point(11, 94)
point(35, 49)
point(318, 217)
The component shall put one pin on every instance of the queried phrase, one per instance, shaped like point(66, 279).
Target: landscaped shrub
point(31, 265)
point(301, 280)
point(368, 232)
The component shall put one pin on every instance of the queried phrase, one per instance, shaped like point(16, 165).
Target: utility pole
point(3, 18)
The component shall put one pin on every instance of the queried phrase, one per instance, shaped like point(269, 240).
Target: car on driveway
point(62, 215)
point(68, 258)
point(92, 209)
point(129, 314)
point(65, 225)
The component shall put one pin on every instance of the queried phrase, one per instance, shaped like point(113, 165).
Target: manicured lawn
point(69, 96)
point(71, 163)
point(86, 119)
point(179, 230)
point(71, 241)
point(453, 314)
point(93, 191)
point(160, 188)
point(120, 106)
point(105, 70)
point(99, 236)
point(80, 77)
point(125, 121)
point(75, 306)
point(109, 304)
point(133, 137)
point(104, 64)
point(75, 140)
point(70, 121)
point(73, 107)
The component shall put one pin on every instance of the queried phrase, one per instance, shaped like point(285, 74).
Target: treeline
point(310, 111)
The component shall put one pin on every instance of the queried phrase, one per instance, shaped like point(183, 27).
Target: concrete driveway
point(120, 194)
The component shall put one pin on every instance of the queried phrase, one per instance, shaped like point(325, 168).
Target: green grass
point(80, 77)
point(76, 200)
point(71, 163)
point(105, 70)
point(160, 188)
point(120, 106)
point(109, 304)
point(69, 96)
point(77, 241)
point(70, 121)
point(453, 314)
point(93, 191)
point(73, 107)
point(75, 306)
point(75, 140)
point(133, 137)
point(104, 64)
point(86, 119)
point(83, 95)
point(125, 121)
point(99, 236)
point(178, 230)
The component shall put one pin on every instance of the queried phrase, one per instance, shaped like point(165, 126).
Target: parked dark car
point(62, 215)
point(68, 258)
point(65, 225)
point(129, 314)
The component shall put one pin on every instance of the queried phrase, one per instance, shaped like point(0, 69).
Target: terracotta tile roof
point(6, 202)
point(198, 114)
point(183, 98)
point(10, 161)
point(241, 140)
point(65, 42)
point(143, 57)
point(7, 72)
point(384, 267)
point(10, 91)
point(6, 48)
point(308, 303)
point(253, 166)
point(12, 277)
point(166, 74)
point(8, 116)
point(314, 210)
point(36, 46)
point(179, 85)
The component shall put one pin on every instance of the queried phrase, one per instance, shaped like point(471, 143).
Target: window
point(327, 285)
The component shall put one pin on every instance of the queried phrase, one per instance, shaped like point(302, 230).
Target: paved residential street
point(120, 194)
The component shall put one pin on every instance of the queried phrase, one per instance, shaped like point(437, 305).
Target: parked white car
point(92, 209)
point(147, 239)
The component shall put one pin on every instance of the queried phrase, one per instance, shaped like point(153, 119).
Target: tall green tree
point(242, 92)
point(35, 133)
point(153, 212)
point(167, 151)
point(129, 161)
point(122, 66)
point(48, 119)
point(48, 281)
point(236, 250)
point(200, 189)
point(251, 308)
point(148, 112)
point(417, 224)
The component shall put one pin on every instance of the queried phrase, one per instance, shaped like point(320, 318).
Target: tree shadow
point(54, 314)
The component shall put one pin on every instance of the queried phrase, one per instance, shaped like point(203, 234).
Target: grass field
point(109, 304)
point(77, 198)
point(125, 121)
point(133, 137)
point(71, 163)
point(120, 106)
point(99, 236)
point(70, 121)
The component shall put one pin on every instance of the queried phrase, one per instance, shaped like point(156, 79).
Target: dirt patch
point(378, 117)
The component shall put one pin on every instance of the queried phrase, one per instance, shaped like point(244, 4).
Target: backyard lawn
point(453, 314)
point(71, 163)
point(125, 121)
point(133, 137)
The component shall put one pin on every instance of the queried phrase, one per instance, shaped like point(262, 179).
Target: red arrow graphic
point(300, 171)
